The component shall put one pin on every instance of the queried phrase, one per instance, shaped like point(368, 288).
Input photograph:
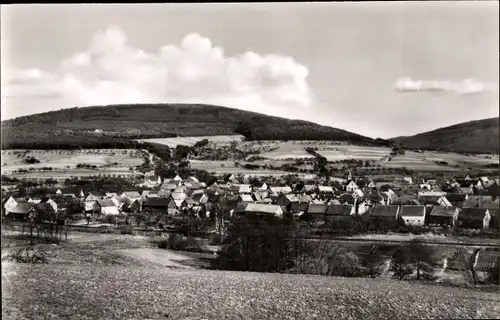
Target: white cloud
point(467, 86)
point(110, 71)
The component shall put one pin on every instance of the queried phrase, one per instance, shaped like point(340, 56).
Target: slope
point(480, 136)
point(70, 128)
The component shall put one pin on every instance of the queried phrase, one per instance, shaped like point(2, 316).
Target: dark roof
point(299, 206)
point(106, 203)
point(43, 206)
point(412, 211)
point(487, 260)
point(472, 213)
point(22, 208)
point(317, 208)
point(440, 211)
point(456, 197)
point(156, 202)
point(428, 199)
point(339, 210)
point(384, 211)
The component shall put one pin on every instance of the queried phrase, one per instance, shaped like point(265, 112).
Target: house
point(316, 212)
point(413, 215)
point(443, 216)
point(200, 198)
point(335, 213)
point(278, 190)
point(467, 190)
point(384, 215)
point(372, 185)
point(473, 218)
point(157, 205)
point(259, 210)
point(106, 207)
point(489, 202)
point(346, 198)
point(299, 207)
point(21, 211)
point(263, 187)
point(245, 198)
point(58, 191)
point(177, 178)
point(286, 199)
point(357, 194)
point(360, 207)
point(325, 190)
point(457, 199)
point(111, 194)
point(11, 202)
point(406, 199)
point(167, 186)
point(494, 222)
point(132, 195)
point(425, 186)
point(408, 180)
point(91, 200)
point(242, 188)
point(351, 186)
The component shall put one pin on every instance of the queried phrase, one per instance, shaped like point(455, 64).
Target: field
point(190, 141)
point(63, 162)
point(123, 292)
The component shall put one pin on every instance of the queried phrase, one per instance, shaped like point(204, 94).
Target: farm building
point(325, 190)
point(134, 206)
point(106, 207)
point(299, 207)
point(20, 211)
point(351, 186)
point(315, 212)
point(338, 213)
point(457, 199)
point(156, 205)
point(278, 190)
point(474, 218)
point(487, 202)
point(413, 215)
point(245, 198)
point(384, 215)
point(91, 200)
point(132, 195)
point(494, 222)
point(286, 199)
point(259, 210)
point(443, 216)
point(200, 198)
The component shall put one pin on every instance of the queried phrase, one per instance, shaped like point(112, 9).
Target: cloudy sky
point(378, 69)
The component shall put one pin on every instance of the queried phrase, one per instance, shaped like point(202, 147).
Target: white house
point(357, 194)
point(10, 203)
point(362, 207)
point(325, 189)
point(408, 179)
point(351, 186)
point(372, 184)
point(413, 215)
point(58, 191)
point(106, 207)
point(444, 202)
point(177, 178)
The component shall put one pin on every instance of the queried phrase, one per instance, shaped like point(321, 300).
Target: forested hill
point(480, 136)
point(76, 127)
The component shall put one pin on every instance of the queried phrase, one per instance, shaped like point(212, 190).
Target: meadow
point(190, 141)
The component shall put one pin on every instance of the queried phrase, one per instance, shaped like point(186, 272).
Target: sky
point(377, 69)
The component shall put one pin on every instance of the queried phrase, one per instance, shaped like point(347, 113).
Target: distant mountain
point(81, 127)
point(480, 136)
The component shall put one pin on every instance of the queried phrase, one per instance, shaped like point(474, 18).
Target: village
point(461, 202)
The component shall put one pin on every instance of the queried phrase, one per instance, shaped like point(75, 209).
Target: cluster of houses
point(453, 202)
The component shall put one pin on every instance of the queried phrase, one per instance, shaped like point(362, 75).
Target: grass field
point(190, 141)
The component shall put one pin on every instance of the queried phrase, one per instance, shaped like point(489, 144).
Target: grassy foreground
point(124, 292)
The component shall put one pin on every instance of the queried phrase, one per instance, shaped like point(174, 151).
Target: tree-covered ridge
point(119, 123)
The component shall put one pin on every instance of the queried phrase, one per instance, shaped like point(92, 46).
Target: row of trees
point(274, 245)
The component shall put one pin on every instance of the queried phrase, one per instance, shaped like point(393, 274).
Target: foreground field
point(117, 292)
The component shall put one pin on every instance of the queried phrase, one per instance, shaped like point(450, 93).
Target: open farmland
point(123, 292)
point(190, 141)
point(64, 162)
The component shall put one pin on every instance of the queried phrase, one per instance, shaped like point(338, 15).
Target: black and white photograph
point(250, 160)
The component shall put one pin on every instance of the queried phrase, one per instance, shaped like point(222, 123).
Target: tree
point(401, 263)
point(245, 129)
point(422, 256)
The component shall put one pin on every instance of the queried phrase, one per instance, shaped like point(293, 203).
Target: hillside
point(75, 127)
point(481, 136)
point(123, 292)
